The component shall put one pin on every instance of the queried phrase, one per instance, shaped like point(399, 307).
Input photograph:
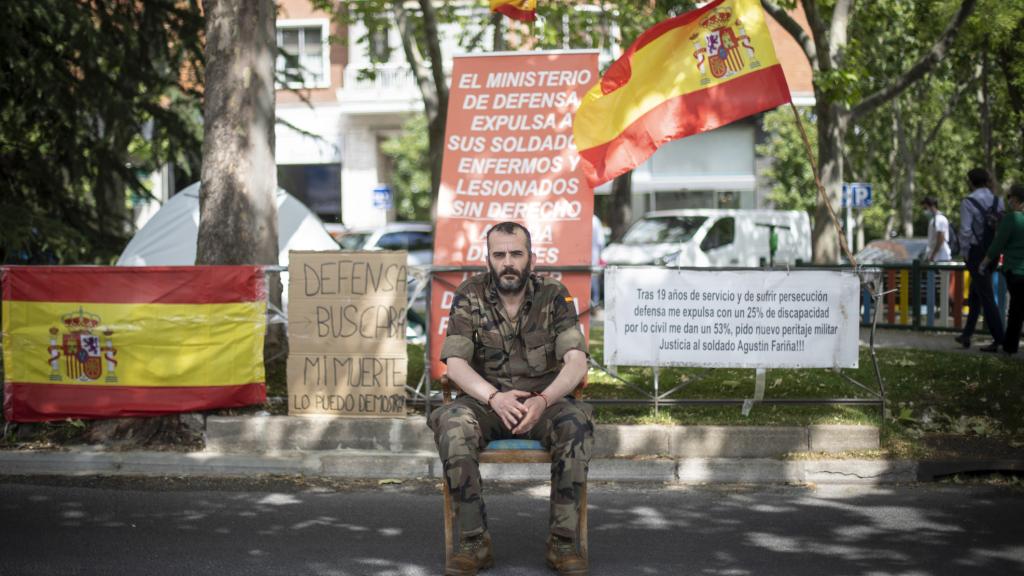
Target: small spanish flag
point(104, 342)
point(524, 10)
point(686, 75)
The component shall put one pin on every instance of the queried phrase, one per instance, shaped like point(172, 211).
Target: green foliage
point(411, 170)
point(934, 130)
point(793, 186)
point(927, 392)
point(95, 96)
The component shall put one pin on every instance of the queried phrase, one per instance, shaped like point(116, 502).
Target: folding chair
point(514, 451)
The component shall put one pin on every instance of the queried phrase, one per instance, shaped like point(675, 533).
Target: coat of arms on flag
point(84, 352)
point(718, 48)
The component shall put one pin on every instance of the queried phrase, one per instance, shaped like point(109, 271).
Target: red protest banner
point(509, 155)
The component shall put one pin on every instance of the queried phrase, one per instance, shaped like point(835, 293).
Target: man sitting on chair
point(515, 350)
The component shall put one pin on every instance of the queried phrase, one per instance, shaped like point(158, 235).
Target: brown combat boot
point(474, 554)
point(563, 557)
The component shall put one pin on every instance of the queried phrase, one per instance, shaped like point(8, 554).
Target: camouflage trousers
point(463, 428)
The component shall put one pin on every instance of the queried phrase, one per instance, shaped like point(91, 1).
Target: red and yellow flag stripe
point(523, 10)
point(93, 342)
point(689, 74)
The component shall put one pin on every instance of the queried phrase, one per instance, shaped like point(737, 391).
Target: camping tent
point(169, 238)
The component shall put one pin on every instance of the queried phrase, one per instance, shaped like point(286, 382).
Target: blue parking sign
point(857, 194)
point(382, 197)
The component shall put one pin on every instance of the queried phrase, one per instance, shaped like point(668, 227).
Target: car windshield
point(353, 241)
point(663, 229)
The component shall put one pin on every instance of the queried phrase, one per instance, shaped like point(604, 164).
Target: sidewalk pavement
point(932, 341)
point(403, 448)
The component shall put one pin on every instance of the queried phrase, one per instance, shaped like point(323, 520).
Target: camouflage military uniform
point(525, 354)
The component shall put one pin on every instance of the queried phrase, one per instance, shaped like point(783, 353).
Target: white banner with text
point(735, 319)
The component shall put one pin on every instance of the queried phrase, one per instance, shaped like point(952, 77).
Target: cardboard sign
point(509, 156)
point(738, 319)
point(346, 333)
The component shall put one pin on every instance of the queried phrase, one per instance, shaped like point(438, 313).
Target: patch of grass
point(929, 393)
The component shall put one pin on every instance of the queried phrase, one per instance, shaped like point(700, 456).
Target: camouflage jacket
point(521, 354)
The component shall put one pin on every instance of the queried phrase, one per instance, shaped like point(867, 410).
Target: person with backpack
point(980, 212)
point(1009, 242)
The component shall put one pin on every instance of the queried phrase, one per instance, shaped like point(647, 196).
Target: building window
point(303, 54)
point(380, 45)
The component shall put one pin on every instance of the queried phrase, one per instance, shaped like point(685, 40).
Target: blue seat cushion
point(514, 444)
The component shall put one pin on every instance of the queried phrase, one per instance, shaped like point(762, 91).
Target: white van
point(713, 238)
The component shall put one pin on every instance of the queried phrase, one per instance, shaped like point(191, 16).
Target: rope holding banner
point(821, 189)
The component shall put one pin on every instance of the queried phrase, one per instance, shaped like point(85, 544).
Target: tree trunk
point(238, 199)
point(432, 84)
point(831, 132)
point(903, 176)
point(907, 194)
point(435, 153)
point(984, 96)
point(622, 205)
point(238, 208)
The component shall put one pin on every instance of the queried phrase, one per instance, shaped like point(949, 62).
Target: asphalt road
point(293, 527)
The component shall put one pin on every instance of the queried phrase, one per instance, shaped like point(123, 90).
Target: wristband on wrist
point(491, 397)
point(544, 398)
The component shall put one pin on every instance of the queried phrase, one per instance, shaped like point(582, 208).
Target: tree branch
point(434, 52)
point(923, 143)
point(819, 33)
point(415, 59)
point(838, 30)
point(921, 67)
point(795, 30)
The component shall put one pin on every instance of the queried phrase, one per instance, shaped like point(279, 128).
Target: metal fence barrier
point(921, 296)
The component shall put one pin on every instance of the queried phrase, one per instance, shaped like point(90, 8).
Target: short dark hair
point(1017, 191)
point(979, 178)
point(930, 201)
point(510, 228)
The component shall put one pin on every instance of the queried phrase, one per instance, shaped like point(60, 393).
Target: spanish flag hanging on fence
point(690, 74)
point(525, 10)
point(104, 342)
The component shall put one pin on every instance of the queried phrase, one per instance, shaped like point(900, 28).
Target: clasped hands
point(518, 410)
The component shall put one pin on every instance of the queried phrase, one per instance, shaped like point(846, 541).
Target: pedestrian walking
point(938, 231)
point(977, 213)
point(1009, 242)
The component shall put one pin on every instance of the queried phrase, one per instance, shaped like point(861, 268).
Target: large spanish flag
point(102, 342)
point(692, 73)
point(525, 10)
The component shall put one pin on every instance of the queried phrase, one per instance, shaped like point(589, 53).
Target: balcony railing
point(397, 79)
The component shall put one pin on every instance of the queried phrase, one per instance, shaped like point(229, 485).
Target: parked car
point(893, 251)
point(709, 237)
point(415, 237)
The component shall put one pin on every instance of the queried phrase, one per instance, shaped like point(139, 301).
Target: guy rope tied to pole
point(824, 195)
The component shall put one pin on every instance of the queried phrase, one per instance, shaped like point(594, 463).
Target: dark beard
point(509, 286)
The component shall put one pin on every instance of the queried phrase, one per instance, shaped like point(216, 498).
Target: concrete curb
point(408, 465)
point(274, 434)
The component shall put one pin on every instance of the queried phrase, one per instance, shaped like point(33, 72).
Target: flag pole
point(821, 189)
